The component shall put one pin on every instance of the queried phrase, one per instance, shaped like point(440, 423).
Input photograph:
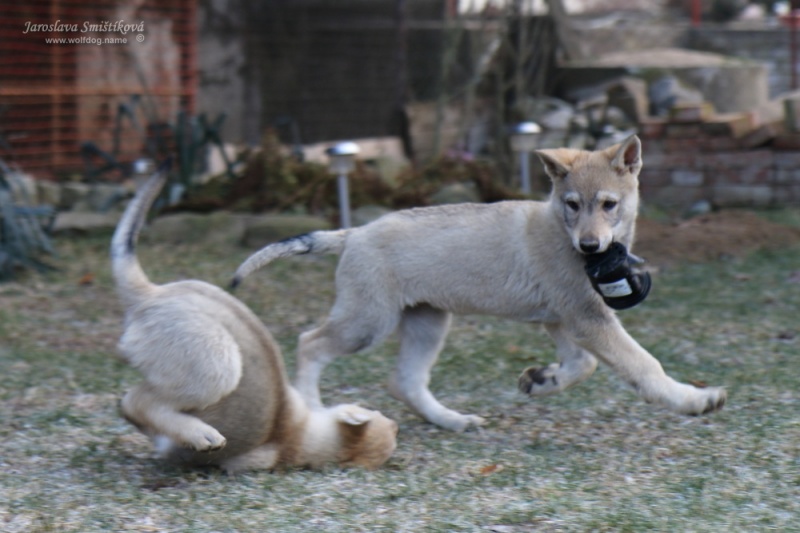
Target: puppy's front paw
point(539, 381)
point(713, 400)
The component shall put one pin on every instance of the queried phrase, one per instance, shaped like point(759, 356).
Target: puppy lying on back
point(215, 391)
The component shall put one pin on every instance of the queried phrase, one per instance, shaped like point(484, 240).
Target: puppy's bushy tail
point(316, 242)
point(132, 283)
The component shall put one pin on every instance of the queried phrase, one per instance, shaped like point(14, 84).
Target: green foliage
point(22, 238)
point(417, 185)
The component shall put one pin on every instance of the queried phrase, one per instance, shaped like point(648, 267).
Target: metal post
point(793, 41)
point(524, 140)
point(344, 201)
point(342, 162)
point(525, 172)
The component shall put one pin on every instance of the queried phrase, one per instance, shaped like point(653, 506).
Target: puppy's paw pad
point(213, 447)
point(535, 379)
point(474, 421)
point(207, 442)
point(715, 402)
point(458, 422)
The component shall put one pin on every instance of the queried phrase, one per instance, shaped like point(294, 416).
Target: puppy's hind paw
point(456, 421)
point(206, 439)
point(463, 423)
point(212, 443)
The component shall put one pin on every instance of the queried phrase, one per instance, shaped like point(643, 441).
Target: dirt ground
point(711, 236)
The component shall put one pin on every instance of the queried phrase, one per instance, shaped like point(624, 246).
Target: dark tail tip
point(235, 283)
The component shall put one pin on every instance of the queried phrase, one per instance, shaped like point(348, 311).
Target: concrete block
point(787, 141)
point(742, 195)
point(48, 193)
point(787, 159)
point(456, 193)
point(653, 158)
point(85, 222)
point(652, 128)
point(651, 178)
point(739, 159)
point(760, 136)
point(675, 197)
point(367, 213)
point(687, 178)
point(680, 130)
point(630, 95)
point(787, 175)
point(104, 196)
point(73, 194)
point(680, 145)
point(221, 228)
point(717, 144)
point(264, 229)
point(692, 112)
point(730, 124)
point(756, 174)
point(23, 187)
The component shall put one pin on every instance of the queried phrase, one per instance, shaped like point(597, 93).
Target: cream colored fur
point(215, 391)
point(409, 270)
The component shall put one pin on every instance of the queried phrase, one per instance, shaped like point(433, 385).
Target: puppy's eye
point(608, 205)
point(572, 204)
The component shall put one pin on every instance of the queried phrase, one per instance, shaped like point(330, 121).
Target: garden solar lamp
point(342, 158)
point(524, 140)
point(142, 168)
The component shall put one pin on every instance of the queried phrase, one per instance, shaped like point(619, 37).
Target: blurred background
point(96, 93)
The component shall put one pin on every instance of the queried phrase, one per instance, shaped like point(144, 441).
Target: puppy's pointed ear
point(354, 416)
point(627, 156)
point(553, 164)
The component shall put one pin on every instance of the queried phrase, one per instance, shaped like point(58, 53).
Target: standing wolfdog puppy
point(409, 270)
point(215, 391)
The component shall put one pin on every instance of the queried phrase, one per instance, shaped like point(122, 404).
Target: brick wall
point(682, 170)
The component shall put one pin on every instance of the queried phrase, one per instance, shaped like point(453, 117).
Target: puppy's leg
point(314, 352)
point(609, 341)
point(422, 333)
point(154, 417)
point(575, 365)
point(341, 334)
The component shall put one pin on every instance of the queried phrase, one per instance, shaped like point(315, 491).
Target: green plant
point(22, 237)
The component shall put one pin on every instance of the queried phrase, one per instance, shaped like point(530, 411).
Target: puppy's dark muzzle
point(613, 276)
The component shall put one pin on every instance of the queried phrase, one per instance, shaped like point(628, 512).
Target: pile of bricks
point(730, 160)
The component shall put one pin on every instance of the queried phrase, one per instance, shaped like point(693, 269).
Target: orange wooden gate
point(106, 72)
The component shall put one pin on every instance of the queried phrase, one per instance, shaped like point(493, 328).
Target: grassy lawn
point(594, 458)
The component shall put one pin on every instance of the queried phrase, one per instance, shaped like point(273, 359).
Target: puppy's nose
point(589, 246)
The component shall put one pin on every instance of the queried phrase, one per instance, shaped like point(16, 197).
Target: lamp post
point(524, 140)
point(342, 162)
